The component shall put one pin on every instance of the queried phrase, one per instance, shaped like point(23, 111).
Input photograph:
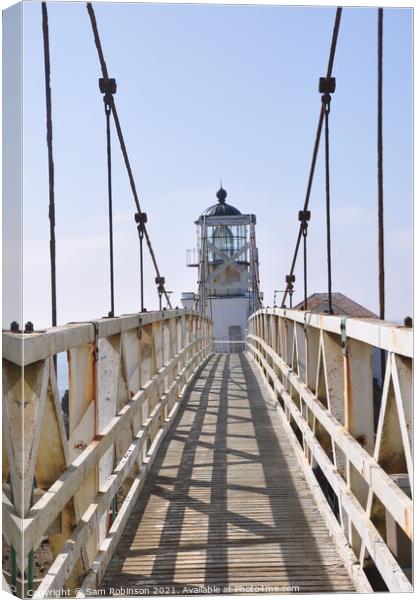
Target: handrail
point(53, 340)
point(127, 378)
point(375, 332)
point(321, 369)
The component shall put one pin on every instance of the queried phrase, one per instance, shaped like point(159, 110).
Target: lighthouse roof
point(222, 209)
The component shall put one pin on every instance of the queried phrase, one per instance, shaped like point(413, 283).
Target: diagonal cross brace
point(228, 260)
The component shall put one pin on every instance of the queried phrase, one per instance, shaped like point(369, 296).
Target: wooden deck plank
point(226, 504)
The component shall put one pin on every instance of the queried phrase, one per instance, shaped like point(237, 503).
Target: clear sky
point(208, 92)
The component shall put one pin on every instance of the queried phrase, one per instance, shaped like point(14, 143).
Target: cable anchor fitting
point(160, 284)
point(289, 280)
point(327, 86)
point(304, 217)
point(107, 86)
point(160, 289)
point(96, 340)
point(343, 336)
point(141, 220)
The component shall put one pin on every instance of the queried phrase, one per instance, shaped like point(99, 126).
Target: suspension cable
point(381, 280)
point(51, 210)
point(380, 177)
point(108, 145)
point(305, 266)
point(121, 139)
point(108, 87)
point(327, 86)
point(304, 218)
point(332, 53)
point(328, 243)
point(141, 219)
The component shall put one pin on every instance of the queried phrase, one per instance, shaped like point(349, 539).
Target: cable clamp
point(343, 336)
point(107, 86)
point(160, 281)
point(304, 217)
point(96, 340)
point(327, 86)
point(289, 280)
point(141, 220)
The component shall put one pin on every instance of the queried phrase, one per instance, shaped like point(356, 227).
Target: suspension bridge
point(180, 461)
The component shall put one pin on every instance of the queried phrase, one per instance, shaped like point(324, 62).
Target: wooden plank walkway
point(226, 507)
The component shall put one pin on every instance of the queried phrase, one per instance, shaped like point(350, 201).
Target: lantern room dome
point(222, 209)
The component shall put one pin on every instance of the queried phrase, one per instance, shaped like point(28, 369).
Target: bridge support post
point(82, 379)
point(397, 541)
point(146, 373)
point(359, 417)
point(108, 374)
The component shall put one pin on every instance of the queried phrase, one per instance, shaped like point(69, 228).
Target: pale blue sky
point(206, 92)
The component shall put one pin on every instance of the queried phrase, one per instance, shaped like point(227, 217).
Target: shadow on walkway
point(226, 504)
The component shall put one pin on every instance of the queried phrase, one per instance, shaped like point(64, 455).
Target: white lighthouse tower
point(228, 276)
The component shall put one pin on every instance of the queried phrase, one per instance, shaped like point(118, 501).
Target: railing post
point(312, 346)
point(359, 416)
point(173, 371)
point(146, 373)
point(82, 395)
point(166, 350)
point(158, 361)
point(108, 373)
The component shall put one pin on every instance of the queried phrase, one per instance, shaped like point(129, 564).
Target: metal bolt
point(14, 326)
point(408, 322)
point(29, 327)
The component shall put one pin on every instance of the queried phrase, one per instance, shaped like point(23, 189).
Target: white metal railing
point(126, 379)
point(228, 345)
point(193, 257)
point(321, 369)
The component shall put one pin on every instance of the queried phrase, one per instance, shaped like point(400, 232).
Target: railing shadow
point(233, 482)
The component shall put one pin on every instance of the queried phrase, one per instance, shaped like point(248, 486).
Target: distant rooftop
point(342, 305)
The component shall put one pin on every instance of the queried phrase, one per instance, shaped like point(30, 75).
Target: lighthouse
point(226, 258)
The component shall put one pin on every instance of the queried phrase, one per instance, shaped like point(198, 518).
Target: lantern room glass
point(228, 239)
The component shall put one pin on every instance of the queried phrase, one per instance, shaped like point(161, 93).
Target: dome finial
point(221, 194)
